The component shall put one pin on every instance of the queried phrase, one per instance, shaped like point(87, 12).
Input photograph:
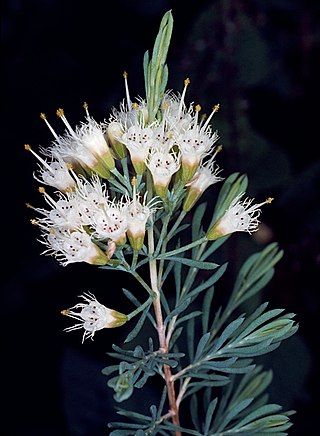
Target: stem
point(139, 309)
point(184, 248)
point(144, 284)
point(183, 390)
point(161, 331)
point(176, 225)
point(134, 259)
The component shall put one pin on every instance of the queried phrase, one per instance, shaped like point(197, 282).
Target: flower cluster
point(85, 215)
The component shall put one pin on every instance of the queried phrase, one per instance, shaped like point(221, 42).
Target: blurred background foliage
point(260, 60)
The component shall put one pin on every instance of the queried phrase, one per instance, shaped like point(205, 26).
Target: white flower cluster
point(84, 215)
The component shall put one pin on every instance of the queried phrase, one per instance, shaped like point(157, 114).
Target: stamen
point(43, 117)
point(44, 163)
point(214, 110)
point(65, 312)
point(197, 109)
point(134, 194)
point(186, 83)
point(269, 200)
point(125, 76)
point(86, 106)
point(49, 199)
point(217, 150)
point(60, 114)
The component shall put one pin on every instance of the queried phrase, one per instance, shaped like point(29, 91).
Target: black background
point(62, 53)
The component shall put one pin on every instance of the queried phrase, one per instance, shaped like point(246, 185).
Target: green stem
point(134, 259)
point(144, 284)
point(175, 226)
point(182, 249)
point(139, 309)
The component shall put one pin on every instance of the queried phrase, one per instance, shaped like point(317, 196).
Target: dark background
point(260, 60)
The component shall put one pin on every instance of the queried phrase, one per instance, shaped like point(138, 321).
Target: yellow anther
point(69, 166)
point(170, 136)
point(269, 200)
point(68, 189)
point(166, 106)
point(52, 231)
point(27, 147)
point(65, 312)
point(34, 222)
point(43, 116)
point(187, 81)
point(216, 107)
point(60, 112)
point(198, 108)
point(203, 117)
point(85, 105)
point(125, 74)
point(134, 181)
point(41, 190)
point(135, 105)
point(219, 148)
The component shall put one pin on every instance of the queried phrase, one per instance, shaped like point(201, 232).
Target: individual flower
point(130, 114)
point(92, 136)
point(111, 222)
point(81, 146)
point(93, 316)
point(174, 110)
point(138, 214)
point(90, 197)
point(162, 165)
point(241, 216)
point(195, 142)
point(206, 175)
point(55, 173)
point(138, 141)
point(63, 213)
point(71, 246)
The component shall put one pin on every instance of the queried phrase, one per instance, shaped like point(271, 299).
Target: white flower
point(162, 165)
point(206, 175)
point(92, 136)
point(138, 141)
point(81, 146)
point(93, 316)
point(72, 246)
point(174, 110)
point(111, 222)
point(64, 212)
point(55, 174)
point(90, 196)
point(196, 141)
point(241, 216)
point(138, 214)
